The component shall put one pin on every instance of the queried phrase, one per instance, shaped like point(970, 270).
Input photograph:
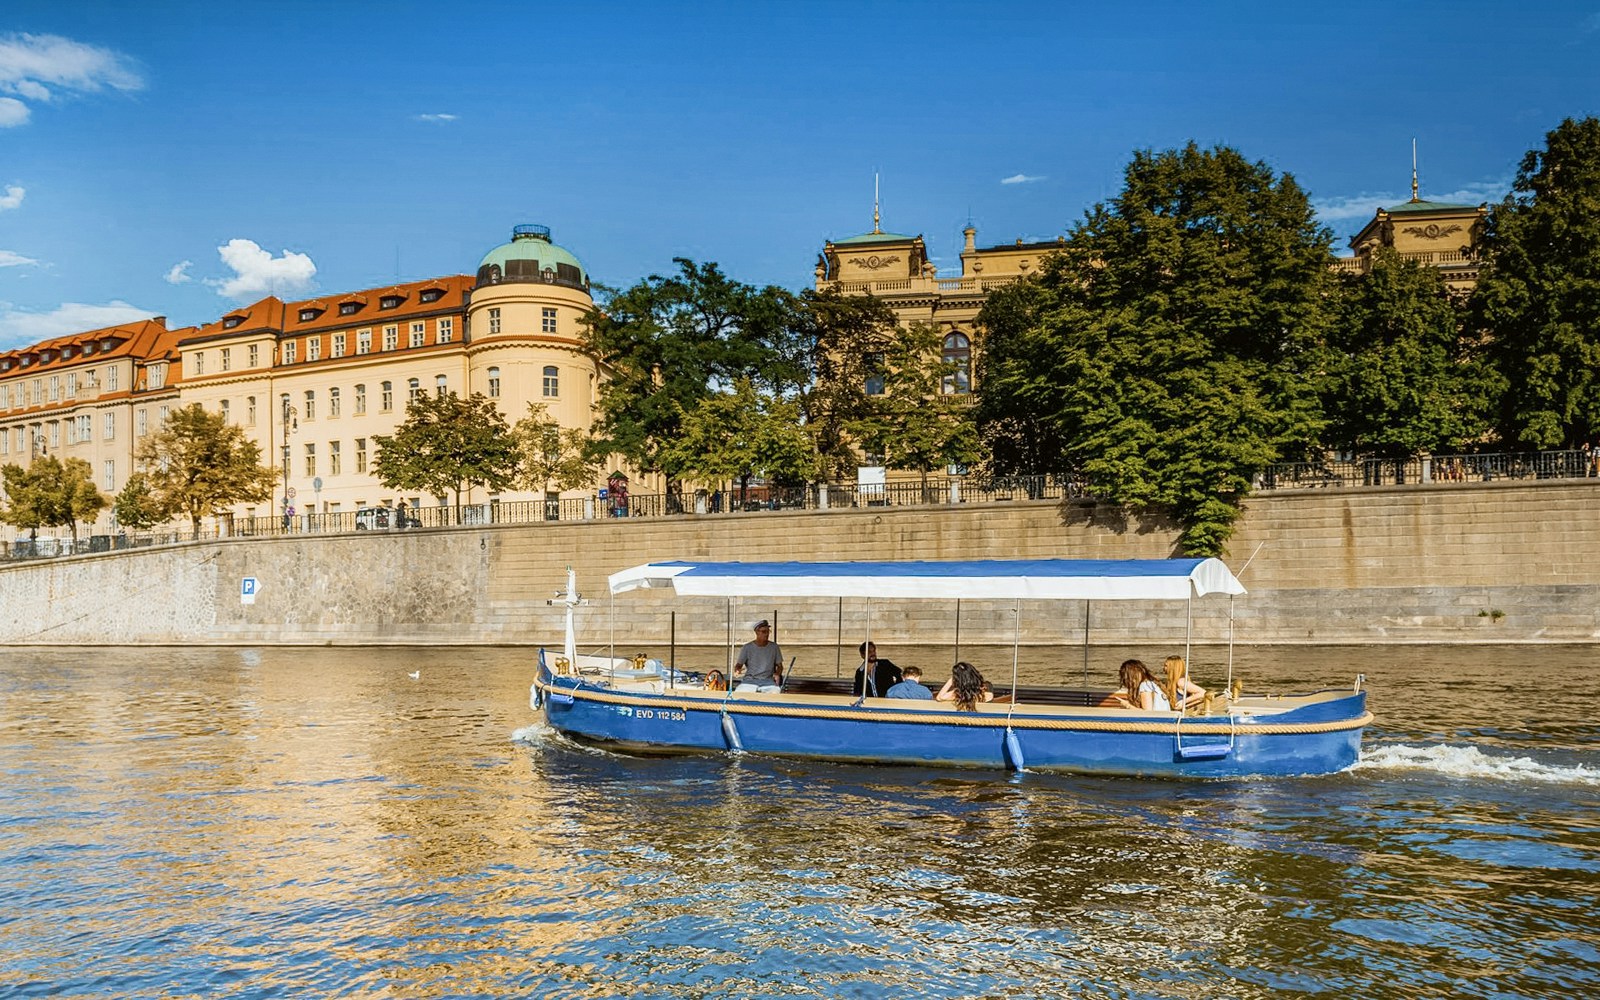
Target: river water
point(195, 822)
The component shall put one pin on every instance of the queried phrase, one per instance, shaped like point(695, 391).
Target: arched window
point(333, 402)
point(552, 381)
point(387, 399)
point(413, 389)
point(441, 385)
point(310, 412)
point(494, 383)
point(958, 352)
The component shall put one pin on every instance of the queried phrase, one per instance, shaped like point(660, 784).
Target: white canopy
point(994, 579)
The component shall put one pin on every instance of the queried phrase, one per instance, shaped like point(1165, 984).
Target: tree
point(1174, 346)
point(1402, 378)
point(448, 444)
point(25, 499)
point(845, 334)
point(669, 342)
point(741, 435)
point(551, 455)
point(198, 464)
point(135, 506)
point(1537, 303)
point(912, 424)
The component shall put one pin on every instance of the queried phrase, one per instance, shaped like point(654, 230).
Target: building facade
point(316, 382)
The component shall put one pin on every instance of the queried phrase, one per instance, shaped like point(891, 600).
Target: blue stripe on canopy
point(1007, 579)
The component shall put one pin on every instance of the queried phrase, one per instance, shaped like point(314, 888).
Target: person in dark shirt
point(885, 674)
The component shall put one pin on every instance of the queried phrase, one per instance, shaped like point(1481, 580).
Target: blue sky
point(175, 158)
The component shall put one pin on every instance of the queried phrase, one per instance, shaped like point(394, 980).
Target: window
point(72, 384)
point(109, 474)
point(288, 352)
point(447, 330)
point(311, 458)
point(225, 359)
point(391, 337)
point(35, 392)
point(872, 364)
point(111, 378)
point(547, 320)
point(313, 348)
point(419, 334)
point(348, 308)
point(361, 454)
point(109, 431)
point(162, 415)
point(386, 400)
point(222, 408)
point(158, 376)
point(431, 295)
point(494, 383)
point(310, 412)
point(72, 430)
point(143, 422)
point(494, 320)
point(230, 322)
point(55, 433)
point(333, 403)
point(199, 362)
point(333, 458)
point(255, 355)
point(307, 315)
point(552, 381)
point(363, 341)
point(440, 386)
point(957, 353)
point(250, 411)
point(389, 302)
point(55, 388)
point(413, 390)
point(338, 345)
point(361, 399)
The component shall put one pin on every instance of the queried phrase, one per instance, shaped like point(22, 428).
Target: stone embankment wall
point(1442, 563)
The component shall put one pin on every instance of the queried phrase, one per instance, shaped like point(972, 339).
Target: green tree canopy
point(448, 444)
point(135, 506)
point(551, 455)
point(912, 424)
point(1175, 341)
point(669, 342)
point(740, 435)
point(1402, 379)
point(846, 335)
point(1537, 303)
point(198, 464)
point(26, 500)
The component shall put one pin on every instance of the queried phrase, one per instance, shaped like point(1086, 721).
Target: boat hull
point(1321, 737)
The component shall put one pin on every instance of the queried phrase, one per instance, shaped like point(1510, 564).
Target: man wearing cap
point(762, 662)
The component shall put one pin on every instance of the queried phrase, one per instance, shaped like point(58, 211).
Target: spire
point(875, 228)
point(1414, 169)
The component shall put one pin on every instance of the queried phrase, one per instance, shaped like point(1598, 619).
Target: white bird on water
point(415, 675)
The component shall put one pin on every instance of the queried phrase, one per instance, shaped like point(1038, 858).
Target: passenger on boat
point(1180, 690)
point(911, 687)
point(885, 674)
point(1139, 688)
point(761, 661)
point(716, 682)
point(965, 687)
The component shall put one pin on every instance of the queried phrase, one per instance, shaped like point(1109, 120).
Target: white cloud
point(9, 259)
point(436, 118)
point(19, 327)
point(1021, 179)
point(31, 65)
point(12, 112)
point(12, 197)
point(256, 272)
point(1363, 206)
point(179, 274)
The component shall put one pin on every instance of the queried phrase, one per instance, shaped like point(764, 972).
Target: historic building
point(1440, 234)
point(315, 382)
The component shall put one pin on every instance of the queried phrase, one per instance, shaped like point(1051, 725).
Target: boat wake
point(1471, 762)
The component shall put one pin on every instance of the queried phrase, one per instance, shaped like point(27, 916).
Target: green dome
point(530, 256)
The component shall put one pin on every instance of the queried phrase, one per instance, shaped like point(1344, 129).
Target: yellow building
point(315, 382)
point(1436, 233)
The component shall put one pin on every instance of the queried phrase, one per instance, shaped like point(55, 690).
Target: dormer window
point(66, 352)
point(348, 308)
point(389, 302)
point(88, 348)
point(431, 294)
point(229, 322)
point(44, 358)
point(307, 315)
point(105, 345)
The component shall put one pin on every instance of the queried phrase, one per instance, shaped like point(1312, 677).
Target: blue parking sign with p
point(247, 590)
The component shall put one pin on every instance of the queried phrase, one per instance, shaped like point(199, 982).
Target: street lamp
point(289, 423)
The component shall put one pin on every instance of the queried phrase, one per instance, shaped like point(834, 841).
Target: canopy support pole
point(958, 629)
point(728, 644)
point(1188, 627)
point(838, 644)
point(1016, 644)
point(1086, 652)
point(672, 652)
point(613, 654)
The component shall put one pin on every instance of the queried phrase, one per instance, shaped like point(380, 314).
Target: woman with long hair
point(965, 687)
point(1179, 689)
point(1139, 688)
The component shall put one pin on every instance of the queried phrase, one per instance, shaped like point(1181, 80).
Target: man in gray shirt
point(762, 662)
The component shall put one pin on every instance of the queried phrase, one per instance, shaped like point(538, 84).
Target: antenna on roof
point(875, 228)
point(1414, 169)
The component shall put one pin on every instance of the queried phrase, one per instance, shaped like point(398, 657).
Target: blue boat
point(650, 706)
